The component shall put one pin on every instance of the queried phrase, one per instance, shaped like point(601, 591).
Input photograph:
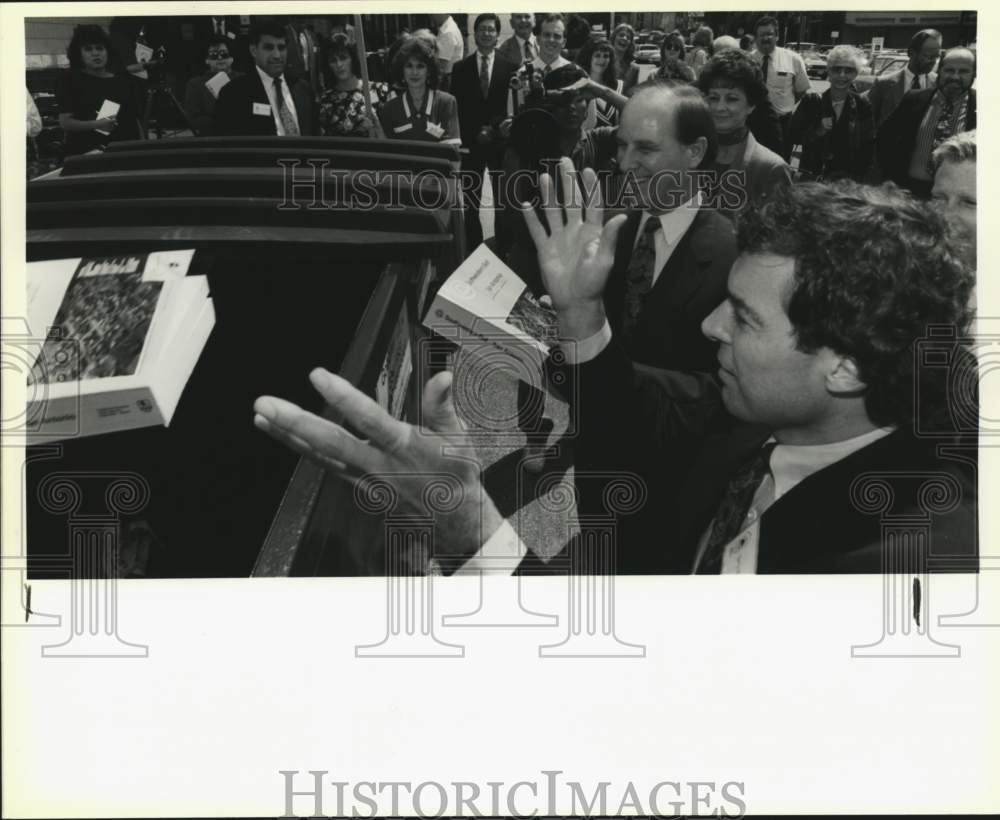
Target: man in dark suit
point(265, 101)
point(925, 119)
point(481, 84)
point(917, 75)
point(673, 256)
point(826, 425)
point(522, 44)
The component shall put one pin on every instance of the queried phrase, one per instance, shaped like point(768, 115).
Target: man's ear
point(696, 151)
point(844, 376)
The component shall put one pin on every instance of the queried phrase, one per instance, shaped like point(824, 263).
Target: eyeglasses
point(218, 55)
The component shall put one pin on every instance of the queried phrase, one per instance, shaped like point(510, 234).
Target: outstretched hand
point(408, 457)
point(578, 251)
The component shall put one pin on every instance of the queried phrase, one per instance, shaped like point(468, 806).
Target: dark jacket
point(847, 150)
point(234, 111)
point(897, 136)
point(474, 111)
point(670, 430)
point(690, 286)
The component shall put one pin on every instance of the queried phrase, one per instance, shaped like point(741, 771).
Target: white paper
point(109, 108)
point(217, 83)
point(143, 53)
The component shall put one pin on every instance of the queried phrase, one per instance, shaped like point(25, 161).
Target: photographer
point(96, 105)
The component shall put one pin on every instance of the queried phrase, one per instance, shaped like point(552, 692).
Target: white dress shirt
point(490, 60)
point(789, 464)
point(909, 75)
point(450, 47)
point(286, 95)
point(673, 225)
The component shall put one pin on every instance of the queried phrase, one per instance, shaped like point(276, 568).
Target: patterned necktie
point(944, 129)
point(639, 276)
point(733, 509)
point(765, 64)
point(528, 56)
point(916, 83)
point(287, 120)
point(484, 77)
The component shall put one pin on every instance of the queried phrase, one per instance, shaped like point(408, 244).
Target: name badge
point(264, 109)
point(230, 35)
point(400, 128)
point(434, 130)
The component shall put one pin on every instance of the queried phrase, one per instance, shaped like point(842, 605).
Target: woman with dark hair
point(96, 105)
point(672, 65)
point(342, 108)
point(597, 58)
point(734, 87)
point(421, 111)
point(702, 51)
point(836, 129)
point(201, 92)
point(623, 43)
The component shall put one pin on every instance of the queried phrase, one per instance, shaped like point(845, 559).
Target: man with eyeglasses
point(481, 84)
point(202, 92)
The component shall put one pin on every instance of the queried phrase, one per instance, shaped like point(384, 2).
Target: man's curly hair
point(874, 268)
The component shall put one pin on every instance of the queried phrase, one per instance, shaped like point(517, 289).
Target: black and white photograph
point(747, 242)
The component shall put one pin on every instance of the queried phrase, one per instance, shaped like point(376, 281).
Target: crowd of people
point(739, 332)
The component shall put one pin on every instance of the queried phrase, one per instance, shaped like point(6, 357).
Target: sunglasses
point(218, 55)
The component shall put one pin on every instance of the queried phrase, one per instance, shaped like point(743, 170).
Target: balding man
point(917, 75)
point(674, 252)
point(925, 119)
point(522, 46)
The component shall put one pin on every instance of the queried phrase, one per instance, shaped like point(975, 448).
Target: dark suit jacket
point(474, 112)
point(887, 91)
point(897, 136)
point(234, 110)
point(671, 431)
point(690, 286)
point(510, 50)
point(846, 150)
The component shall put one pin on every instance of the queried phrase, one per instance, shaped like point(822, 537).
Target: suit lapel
point(681, 276)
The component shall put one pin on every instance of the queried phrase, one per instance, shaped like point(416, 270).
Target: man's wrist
point(581, 321)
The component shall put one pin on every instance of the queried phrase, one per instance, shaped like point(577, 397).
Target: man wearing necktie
point(784, 75)
point(551, 41)
point(675, 251)
point(825, 382)
point(917, 75)
point(521, 47)
point(925, 119)
point(266, 101)
point(481, 83)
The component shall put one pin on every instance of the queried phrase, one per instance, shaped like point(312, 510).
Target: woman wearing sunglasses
point(202, 91)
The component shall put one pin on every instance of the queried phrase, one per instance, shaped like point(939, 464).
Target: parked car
point(815, 65)
point(648, 53)
point(801, 47)
point(883, 63)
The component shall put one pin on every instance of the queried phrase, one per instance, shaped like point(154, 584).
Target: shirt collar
point(793, 463)
point(266, 78)
point(674, 224)
point(909, 78)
